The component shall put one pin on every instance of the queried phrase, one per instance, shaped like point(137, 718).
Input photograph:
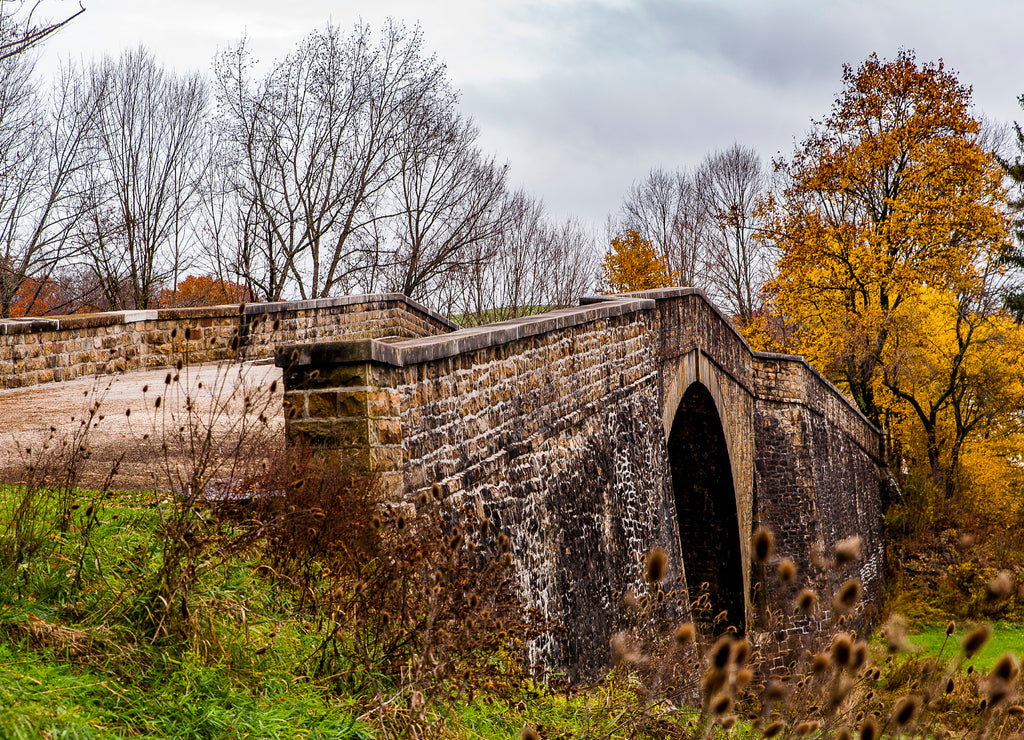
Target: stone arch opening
point(705, 500)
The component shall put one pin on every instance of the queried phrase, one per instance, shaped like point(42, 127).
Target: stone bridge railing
point(42, 350)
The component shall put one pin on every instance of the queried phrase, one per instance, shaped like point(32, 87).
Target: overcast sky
point(582, 97)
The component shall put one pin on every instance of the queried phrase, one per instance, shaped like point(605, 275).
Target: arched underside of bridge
point(705, 504)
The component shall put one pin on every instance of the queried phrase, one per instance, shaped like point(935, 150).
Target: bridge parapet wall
point(552, 423)
point(820, 467)
point(788, 379)
point(558, 424)
point(41, 350)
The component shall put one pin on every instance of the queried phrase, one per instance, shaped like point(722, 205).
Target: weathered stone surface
point(128, 340)
point(590, 435)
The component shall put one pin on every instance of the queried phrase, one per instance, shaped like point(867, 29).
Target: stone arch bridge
point(591, 434)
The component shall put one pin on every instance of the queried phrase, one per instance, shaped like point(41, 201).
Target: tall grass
point(251, 570)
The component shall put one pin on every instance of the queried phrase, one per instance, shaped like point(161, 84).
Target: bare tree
point(39, 154)
point(317, 141)
point(534, 265)
point(21, 28)
point(142, 175)
point(663, 209)
point(729, 185)
point(447, 197)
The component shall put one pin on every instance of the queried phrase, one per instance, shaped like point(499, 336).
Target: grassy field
point(1007, 637)
point(144, 615)
point(82, 654)
point(80, 658)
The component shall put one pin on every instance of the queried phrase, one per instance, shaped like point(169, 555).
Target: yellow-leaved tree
point(953, 378)
point(890, 210)
point(634, 264)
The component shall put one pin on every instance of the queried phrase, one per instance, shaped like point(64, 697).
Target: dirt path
point(41, 425)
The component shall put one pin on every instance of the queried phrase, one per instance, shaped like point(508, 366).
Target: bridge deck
point(27, 416)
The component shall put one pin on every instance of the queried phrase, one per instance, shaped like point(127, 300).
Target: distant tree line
point(344, 167)
point(707, 226)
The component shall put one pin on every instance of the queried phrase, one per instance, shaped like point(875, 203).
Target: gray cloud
point(584, 96)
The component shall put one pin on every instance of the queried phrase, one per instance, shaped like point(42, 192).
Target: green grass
point(80, 657)
point(1007, 637)
point(42, 695)
point(76, 660)
point(491, 316)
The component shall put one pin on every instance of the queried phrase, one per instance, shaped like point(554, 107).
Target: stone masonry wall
point(819, 475)
point(558, 425)
point(554, 425)
point(43, 350)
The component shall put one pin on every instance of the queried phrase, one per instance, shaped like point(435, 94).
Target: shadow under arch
point(705, 502)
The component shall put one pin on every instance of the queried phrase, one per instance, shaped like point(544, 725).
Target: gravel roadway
point(39, 425)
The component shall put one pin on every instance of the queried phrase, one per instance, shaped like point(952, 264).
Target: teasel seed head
point(775, 690)
point(713, 682)
point(848, 550)
point(895, 633)
point(719, 704)
point(847, 596)
point(1006, 668)
point(742, 678)
point(806, 728)
point(763, 545)
point(975, 640)
point(999, 587)
point(842, 649)
point(860, 656)
point(869, 730)
point(840, 690)
point(684, 634)
point(905, 710)
point(786, 570)
point(721, 651)
point(622, 650)
point(657, 565)
point(740, 651)
point(805, 602)
point(997, 693)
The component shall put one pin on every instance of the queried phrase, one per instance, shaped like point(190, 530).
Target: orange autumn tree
point(36, 296)
point(892, 192)
point(634, 264)
point(204, 290)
